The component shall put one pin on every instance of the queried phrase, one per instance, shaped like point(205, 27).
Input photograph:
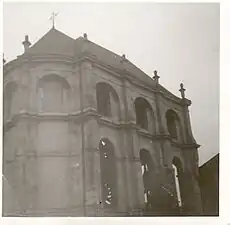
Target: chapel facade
point(87, 133)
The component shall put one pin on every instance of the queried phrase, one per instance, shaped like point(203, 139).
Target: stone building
point(87, 133)
point(209, 186)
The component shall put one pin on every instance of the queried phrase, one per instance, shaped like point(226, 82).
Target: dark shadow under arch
point(107, 98)
point(147, 174)
point(144, 113)
point(173, 123)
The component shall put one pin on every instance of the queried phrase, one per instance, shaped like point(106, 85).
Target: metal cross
point(53, 18)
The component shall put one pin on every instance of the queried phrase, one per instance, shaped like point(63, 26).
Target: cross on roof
point(156, 77)
point(182, 90)
point(4, 61)
point(53, 18)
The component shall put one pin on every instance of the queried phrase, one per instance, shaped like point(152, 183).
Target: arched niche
point(53, 93)
point(108, 173)
point(144, 114)
point(9, 98)
point(173, 124)
point(107, 100)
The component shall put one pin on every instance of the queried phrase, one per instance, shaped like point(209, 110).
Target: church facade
point(87, 133)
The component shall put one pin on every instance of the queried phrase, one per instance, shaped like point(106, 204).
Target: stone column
point(25, 87)
point(31, 165)
point(121, 185)
point(135, 187)
point(92, 168)
point(135, 173)
point(75, 180)
point(186, 103)
point(88, 86)
point(190, 194)
point(140, 185)
point(165, 146)
point(20, 168)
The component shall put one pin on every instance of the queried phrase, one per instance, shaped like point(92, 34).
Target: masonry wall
point(209, 184)
point(53, 162)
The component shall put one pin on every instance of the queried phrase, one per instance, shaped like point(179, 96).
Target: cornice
point(125, 75)
point(90, 113)
point(32, 58)
point(75, 60)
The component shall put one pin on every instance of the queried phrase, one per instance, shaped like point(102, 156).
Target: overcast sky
point(180, 40)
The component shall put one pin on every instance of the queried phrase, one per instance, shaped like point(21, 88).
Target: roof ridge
point(49, 31)
point(119, 56)
point(45, 42)
point(61, 33)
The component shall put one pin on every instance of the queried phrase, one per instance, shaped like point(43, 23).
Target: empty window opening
point(52, 90)
point(108, 195)
point(148, 200)
point(145, 197)
point(108, 173)
point(144, 168)
point(173, 123)
point(177, 186)
point(177, 168)
point(147, 169)
point(107, 100)
point(144, 114)
point(146, 160)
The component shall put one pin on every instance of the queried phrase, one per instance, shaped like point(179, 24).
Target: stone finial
point(182, 90)
point(85, 36)
point(156, 77)
point(4, 61)
point(26, 43)
point(123, 58)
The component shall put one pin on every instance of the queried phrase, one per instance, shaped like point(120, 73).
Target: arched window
point(177, 168)
point(144, 114)
point(147, 169)
point(9, 97)
point(107, 100)
point(53, 91)
point(108, 173)
point(173, 124)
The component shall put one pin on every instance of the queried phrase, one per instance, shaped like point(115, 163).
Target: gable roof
point(112, 59)
point(214, 161)
point(56, 42)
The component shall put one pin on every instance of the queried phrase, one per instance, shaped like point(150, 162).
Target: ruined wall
point(43, 160)
point(53, 162)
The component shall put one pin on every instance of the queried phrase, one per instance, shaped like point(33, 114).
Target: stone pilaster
point(190, 194)
point(75, 168)
point(135, 187)
point(139, 182)
point(187, 124)
point(135, 173)
point(92, 168)
point(88, 87)
point(122, 191)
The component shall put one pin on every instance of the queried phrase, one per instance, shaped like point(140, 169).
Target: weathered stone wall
point(52, 160)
